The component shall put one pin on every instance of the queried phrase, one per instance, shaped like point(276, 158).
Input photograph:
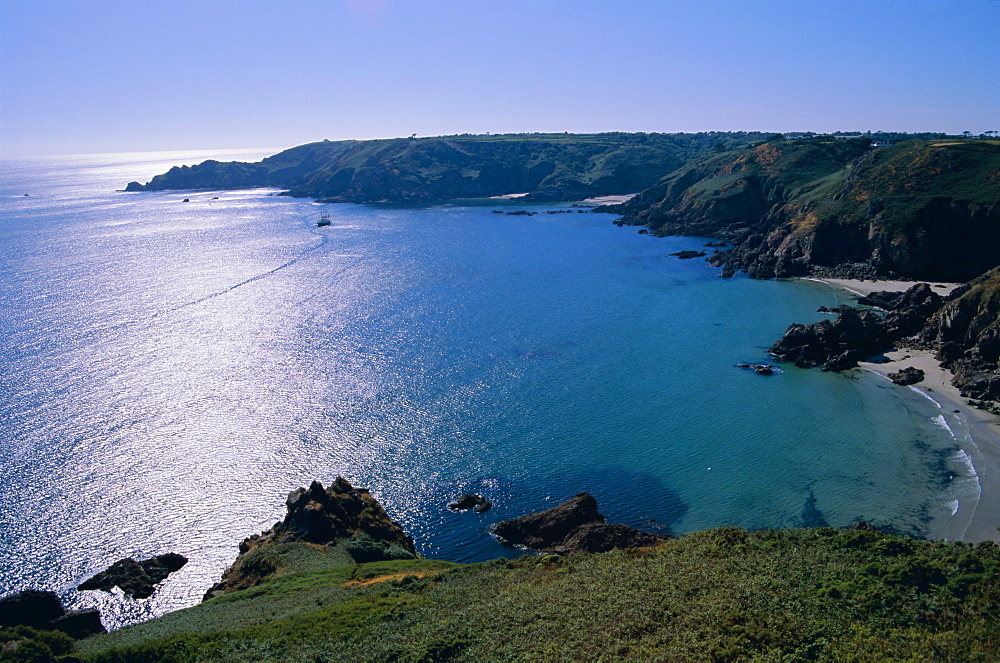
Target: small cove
point(172, 370)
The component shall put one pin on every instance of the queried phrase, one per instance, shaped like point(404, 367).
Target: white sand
point(611, 200)
point(867, 287)
point(983, 443)
point(510, 196)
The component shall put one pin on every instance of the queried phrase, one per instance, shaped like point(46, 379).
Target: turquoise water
point(171, 370)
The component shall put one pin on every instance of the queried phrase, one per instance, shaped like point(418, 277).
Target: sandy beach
point(611, 200)
point(982, 442)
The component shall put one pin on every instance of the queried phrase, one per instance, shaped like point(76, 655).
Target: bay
point(172, 369)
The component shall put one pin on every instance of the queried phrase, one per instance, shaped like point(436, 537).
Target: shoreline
point(981, 441)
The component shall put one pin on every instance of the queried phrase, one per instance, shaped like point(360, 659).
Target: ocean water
point(170, 370)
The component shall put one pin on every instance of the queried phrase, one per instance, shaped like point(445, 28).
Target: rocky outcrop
point(573, 526)
point(857, 334)
point(688, 255)
point(907, 376)
point(337, 515)
point(477, 503)
point(966, 334)
point(136, 579)
point(836, 346)
point(837, 208)
point(44, 610)
point(602, 537)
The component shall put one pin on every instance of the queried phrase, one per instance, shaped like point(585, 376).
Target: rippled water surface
point(171, 370)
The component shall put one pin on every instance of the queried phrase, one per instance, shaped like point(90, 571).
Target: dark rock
point(44, 610)
point(477, 503)
point(716, 244)
point(133, 186)
point(573, 526)
point(728, 272)
point(31, 607)
point(907, 376)
point(186, 200)
point(644, 231)
point(759, 369)
point(79, 623)
point(551, 527)
point(836, 345)
point(321, 516)
point(136, 579)
point(687, 255)
point(602, 537)
point(521, 212)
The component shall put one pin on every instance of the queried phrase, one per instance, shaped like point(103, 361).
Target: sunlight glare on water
point(171, 370)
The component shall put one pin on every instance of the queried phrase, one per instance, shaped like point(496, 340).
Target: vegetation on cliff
point(966, 335)
point(724, 594)
point(927, 209)
point(427, 170)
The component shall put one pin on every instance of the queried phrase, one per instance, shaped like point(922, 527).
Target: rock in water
point(31, 607)
point(573, 526)
point(477, 503)
point(136, 579)
point(836, 345)
point(688, 255)
point(44, 610)
point(602, 537)
point(549, 528)
point(340, 514)
point(907, 376)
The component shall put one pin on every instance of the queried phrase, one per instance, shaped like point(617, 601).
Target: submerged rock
point(136, 579)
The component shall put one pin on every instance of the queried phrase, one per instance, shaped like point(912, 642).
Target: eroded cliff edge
point(920, 209)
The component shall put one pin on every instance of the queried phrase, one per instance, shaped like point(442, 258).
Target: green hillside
point(725, 594)
point(926, 209)
point(426, 170)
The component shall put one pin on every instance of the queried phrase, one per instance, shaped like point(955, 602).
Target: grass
point(724, 594)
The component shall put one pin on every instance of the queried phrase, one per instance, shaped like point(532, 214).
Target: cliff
point(427, 170)
point(920, 209)
point(966, 335)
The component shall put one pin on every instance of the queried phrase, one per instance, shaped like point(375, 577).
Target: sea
point(174, 363)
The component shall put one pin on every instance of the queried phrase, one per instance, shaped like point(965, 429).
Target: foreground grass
point(725, 594)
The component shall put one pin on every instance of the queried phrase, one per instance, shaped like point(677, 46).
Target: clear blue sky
point(82, 76)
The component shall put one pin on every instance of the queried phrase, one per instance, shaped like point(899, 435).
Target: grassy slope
point(722, 594)
point(917, 207)
point(561, 166)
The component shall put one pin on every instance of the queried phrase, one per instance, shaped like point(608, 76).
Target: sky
point(91, 76)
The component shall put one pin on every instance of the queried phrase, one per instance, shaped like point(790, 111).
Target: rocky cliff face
point(920, 209)
point(966, 334)
point(321, 517)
